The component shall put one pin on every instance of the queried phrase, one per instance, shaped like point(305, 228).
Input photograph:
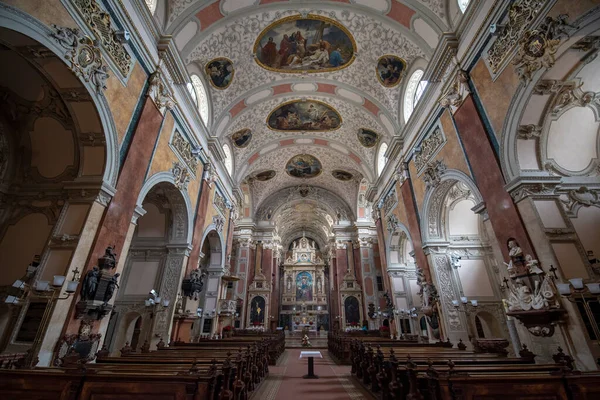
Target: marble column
point(408, 200)
point(199, 220)
point(500, 207)
point(117, 219)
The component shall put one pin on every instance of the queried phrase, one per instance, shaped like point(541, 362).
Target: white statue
point(520, 297)
point(319, 285)
point(533, 265)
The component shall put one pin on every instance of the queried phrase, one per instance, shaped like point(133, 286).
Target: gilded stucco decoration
point(537, 47)
point(110, 38)
point(184, 149)
point(83, 55)
point(428, 148)
point(180, 175)
point(520, 15)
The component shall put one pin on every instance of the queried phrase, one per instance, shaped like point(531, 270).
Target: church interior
point(205, 199)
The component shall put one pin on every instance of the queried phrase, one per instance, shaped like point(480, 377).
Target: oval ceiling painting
point(390, 70)
point(303, 166)
point(367, 137)
point(220, 71)
point(341, 175)
point(265, 175)
point(242, 137)
point(305, 44)
point(304, 115)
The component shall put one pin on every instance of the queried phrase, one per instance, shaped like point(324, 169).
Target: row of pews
point(393, 370)
point(224, 369)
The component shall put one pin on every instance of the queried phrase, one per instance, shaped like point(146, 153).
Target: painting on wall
point(265, 175)
point(304, 286)
point(367, 137)
point(257, 310)
point(352, 311)
point(303, 166)
point(241, 138)
point(305, 44)
point(304, 115)
point(220, 71)
point(341, 175)
point(390, 70)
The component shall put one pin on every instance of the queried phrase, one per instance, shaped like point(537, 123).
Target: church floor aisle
point(285, 380)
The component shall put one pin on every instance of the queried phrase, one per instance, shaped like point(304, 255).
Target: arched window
point(228, 159)
point(201, 98)
point(463, 4)
point(192, 93)
point(414, 89)
point(151, 5)
point(381, 159)
point(479, 327)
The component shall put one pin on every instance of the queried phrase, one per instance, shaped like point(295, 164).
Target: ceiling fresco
point(293, 78)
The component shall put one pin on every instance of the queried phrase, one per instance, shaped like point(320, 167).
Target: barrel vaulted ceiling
point(206, 30)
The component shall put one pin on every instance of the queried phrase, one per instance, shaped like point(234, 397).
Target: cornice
point(442, 56)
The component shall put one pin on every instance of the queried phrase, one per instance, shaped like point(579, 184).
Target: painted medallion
point(242, 137)
point(341, 175)
point(303, 166)
point(220, 72)
point(304, 115)
point(305, 44)
point(390, 70)
point(265, 175)
point(367, 137)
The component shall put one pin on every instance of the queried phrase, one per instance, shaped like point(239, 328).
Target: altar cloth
point(304, 354)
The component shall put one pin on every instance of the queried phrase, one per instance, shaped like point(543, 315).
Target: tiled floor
point(285, 380)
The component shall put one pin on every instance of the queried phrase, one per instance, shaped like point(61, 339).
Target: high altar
point(304, 299)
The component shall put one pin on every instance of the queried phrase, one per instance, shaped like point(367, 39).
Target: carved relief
point(428, 147)
point(433, 172)
point(457, 92)
point(537, 47)
point(531, 131)
point(160, 92)
point(392, 223)
point(83, 55)
point(185, 150)
point(220, 203)
point(100, 22)
point(219, 223)
point(580, 197)
point(446, 292)
point(390, 201)
point(181, 176)
point(520, 16)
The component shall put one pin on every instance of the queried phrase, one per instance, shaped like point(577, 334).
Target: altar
point(304, 299)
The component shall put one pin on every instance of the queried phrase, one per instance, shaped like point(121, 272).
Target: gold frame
point(247, 143)
point(310, 17)
point(208, 74)
point(370, 147)
point(304, 130)
point(342, 180)
point(401, 75)
point(303, 154)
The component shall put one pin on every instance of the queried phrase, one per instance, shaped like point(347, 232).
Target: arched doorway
point(154, 267)
point(55, 156)
point(463, 264)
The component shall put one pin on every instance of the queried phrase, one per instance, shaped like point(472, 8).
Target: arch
point(16, 20)
point(167, 177)
point(381, 158)
point(431, 223)
point(395, 245)
point(216, 243)
point(489, 324)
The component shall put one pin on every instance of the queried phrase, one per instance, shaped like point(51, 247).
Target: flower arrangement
point(228, 328)
point(384, 329)
point(310, 322)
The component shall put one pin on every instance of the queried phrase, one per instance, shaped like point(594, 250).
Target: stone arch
point(17, 21)
point(184, 214)
point(216, 244)
point(432, 223)
point(396, 245)
point(490, 325)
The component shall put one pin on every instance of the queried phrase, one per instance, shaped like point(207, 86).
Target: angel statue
point(533, 266)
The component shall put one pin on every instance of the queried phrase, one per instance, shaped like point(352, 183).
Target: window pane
point(463, 4)
point(381, 160)
point(201, 98)
point(410, 93)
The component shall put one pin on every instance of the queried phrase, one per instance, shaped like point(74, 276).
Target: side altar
point(304, 302)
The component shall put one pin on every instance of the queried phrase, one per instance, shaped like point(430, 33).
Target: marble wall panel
point(414, 228)
point(123, 100)
point(164, 157)
point(48, 11)
point(495, 95)
point(452, 153)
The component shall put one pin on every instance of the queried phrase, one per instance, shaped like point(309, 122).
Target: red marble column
point(358, 268)
point(407, 195)
point(199, 220)
point(504, 216)
point(379, 247)
point(334, 292)
point(117, 217)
